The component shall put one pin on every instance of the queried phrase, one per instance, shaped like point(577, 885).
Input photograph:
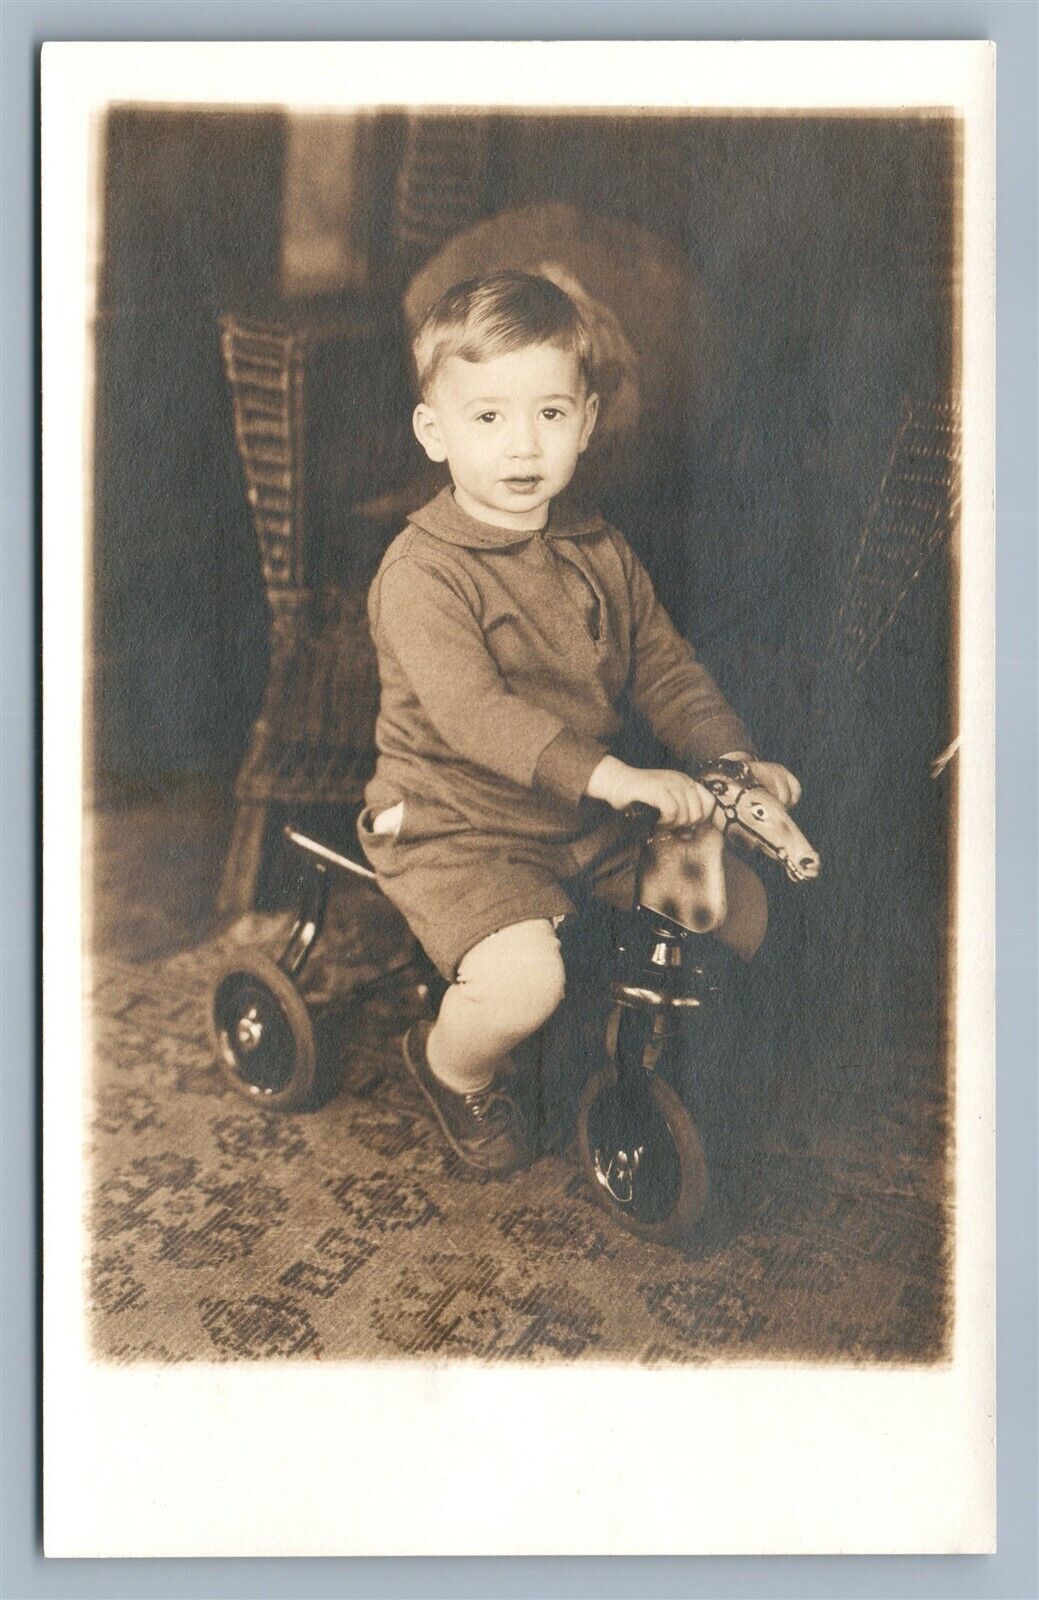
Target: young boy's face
point(511, 430)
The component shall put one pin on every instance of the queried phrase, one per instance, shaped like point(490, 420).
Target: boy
point(509, 624)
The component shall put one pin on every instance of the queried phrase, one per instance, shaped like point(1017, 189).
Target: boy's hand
point(771, 776)
point(682, 803)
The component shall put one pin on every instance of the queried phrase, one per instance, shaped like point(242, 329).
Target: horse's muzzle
point(804, 869)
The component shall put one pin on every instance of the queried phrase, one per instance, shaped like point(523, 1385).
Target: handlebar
point(640, 812)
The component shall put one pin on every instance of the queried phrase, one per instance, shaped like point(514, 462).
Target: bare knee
point(518, 971)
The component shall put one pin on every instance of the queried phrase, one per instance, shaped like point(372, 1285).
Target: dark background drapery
point(827, 246)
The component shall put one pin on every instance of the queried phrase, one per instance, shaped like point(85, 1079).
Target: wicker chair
point(912, 519)
point(312, 743)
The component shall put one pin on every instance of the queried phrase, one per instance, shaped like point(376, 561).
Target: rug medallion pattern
point(351, 1232)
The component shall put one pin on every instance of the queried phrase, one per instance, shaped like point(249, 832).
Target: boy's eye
point(551, 413)
point(487, 416)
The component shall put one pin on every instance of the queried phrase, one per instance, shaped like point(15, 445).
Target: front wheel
point(643, 1154)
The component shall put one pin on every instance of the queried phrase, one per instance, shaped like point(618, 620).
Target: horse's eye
point(717, 786)
point(759, 812)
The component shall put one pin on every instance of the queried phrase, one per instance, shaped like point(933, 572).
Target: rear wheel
point(262, 1033)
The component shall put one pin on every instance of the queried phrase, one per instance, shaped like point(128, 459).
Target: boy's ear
point(591, 411)
point(427, 433)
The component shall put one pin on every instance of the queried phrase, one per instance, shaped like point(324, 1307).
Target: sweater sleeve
point(431, 632)
point(669, 686)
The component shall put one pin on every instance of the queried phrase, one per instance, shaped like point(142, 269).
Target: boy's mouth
point(522, 485)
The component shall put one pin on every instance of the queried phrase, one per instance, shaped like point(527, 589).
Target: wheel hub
point(617, 1172)
point(256, 1035)
point(634, 1157)
point(250, 1031)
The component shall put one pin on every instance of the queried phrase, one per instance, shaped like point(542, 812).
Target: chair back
point(313, 741)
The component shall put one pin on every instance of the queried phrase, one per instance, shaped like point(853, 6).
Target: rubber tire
point(678, 1226)
point(299, 1088)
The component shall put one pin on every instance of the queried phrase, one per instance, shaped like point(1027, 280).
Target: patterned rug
point(350, 1232)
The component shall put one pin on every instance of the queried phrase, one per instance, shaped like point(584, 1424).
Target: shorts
point(456, 885)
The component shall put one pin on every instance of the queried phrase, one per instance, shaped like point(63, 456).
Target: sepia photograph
point(523, 681)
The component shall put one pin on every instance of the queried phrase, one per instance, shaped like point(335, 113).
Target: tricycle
point(638, 1138)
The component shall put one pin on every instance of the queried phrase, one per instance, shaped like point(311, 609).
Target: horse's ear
point(747, 917)
point(684, 879)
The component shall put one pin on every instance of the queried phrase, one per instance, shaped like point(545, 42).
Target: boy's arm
point(432, 634)
point(668, 686)
point(679, 698)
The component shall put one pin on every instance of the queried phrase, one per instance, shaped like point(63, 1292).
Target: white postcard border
point(444, 1458)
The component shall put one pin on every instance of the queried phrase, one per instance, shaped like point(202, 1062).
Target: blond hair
point(494, 314)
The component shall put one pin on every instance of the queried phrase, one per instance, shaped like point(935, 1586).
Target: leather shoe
point(484, 1127)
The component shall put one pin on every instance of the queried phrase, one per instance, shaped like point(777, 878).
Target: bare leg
point(507, 987)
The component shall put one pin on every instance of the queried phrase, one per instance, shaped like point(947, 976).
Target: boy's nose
point(523, 442)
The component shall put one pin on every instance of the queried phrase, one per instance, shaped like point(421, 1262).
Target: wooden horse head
point(681, 872)
point(756, 817)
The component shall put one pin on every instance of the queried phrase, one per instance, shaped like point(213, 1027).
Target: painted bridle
point(732, 787)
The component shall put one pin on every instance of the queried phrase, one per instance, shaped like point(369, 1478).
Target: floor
point(351, 1232)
